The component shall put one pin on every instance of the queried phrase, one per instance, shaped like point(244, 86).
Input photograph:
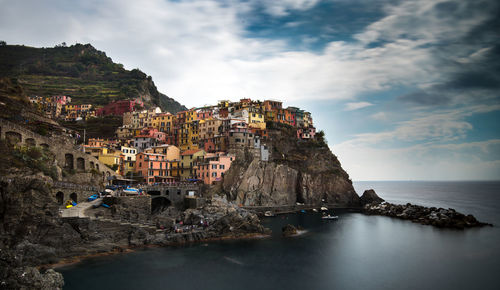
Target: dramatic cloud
point(429, 65)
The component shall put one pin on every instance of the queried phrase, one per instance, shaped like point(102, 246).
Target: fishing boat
point(269, 213)
point(324, 208)
point(329, 217)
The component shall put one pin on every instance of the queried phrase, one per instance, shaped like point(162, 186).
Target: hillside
point(79, 71)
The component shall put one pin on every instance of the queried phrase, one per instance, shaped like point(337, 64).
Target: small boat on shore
point(329, 217)
point(269, 213)
point(324, 208)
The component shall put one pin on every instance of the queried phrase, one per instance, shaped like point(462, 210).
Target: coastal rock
point(289, 230)
point(299, 171)
point(438, 217)
point(31, 278)
point(369, 196)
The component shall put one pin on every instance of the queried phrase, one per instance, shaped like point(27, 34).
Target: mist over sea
point(354, 252)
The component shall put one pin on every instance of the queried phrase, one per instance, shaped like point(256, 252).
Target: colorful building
point(152, 167)
point(188, 160)
point(213, 166)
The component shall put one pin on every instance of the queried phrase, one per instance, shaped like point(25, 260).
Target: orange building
point(152, 167)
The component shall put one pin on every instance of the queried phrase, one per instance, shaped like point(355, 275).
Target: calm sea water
point(354, 252)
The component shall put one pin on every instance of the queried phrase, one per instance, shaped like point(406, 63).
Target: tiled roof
point(190, 152)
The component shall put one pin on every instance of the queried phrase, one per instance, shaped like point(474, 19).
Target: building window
point(214, 174)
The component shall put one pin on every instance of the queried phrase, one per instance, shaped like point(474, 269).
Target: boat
point(329, 217)
point(93, 197)
point(315, 210)
point(269, 213)
point(324, 208)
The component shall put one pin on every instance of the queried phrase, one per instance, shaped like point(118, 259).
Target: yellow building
point(188, 160)
point(112, 158)
point(163, 122)
point(175, 170)
point(256, 119)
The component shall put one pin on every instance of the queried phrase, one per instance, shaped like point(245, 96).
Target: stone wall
point(66, 154)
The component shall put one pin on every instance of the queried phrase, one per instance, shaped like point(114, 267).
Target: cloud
point(356, 106)
point(283, 7)
point(380, 116)
point(461, 161)
point(207, 57)
point(428, 127)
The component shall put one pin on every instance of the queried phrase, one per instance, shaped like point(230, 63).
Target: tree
point(3, 43)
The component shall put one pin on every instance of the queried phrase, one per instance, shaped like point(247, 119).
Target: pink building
point(306, 133)
point(213, 167)
point(152, 167)
point(161, 137)
point(63, 100)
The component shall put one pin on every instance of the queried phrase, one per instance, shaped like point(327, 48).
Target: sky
point(404, 90)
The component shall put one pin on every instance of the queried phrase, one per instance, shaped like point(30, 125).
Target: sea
point(354, 252)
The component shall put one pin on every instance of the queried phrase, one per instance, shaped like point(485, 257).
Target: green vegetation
point(79, 71)
point(102, 127)
point(36, 158)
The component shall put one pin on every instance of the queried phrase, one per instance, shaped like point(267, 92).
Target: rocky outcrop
point(438, 217)
point(299, 171)
point(369, 196)
point(289, 230)
point(32, 233)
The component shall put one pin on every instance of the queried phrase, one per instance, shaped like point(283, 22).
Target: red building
point(120, 107)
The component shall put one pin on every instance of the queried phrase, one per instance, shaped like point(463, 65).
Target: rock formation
point(438, 217)
point(369, 196)
point(302, 171)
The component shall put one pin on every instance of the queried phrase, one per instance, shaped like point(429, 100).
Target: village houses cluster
point(198, 144)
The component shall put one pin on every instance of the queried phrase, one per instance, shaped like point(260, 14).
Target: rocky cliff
point(304, 171)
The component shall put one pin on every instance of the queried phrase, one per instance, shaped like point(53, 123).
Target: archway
point(154, 192)
point(60, 197)
point(92, 166)
point(158, 204)
point(30, 142)
point(44, 146)
point(13, 137)
point(74, 197)
point(80, 163)
point(97, 166)
point(68, 159)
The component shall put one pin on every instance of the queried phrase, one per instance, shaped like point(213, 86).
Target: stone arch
point(30, 142)
point(108, 174)
point(167, 192)
point(74, 196)
point(60, 197)
point(13, 137)
point(68, 161)
point(80, 163)
point(92, 166)
point(158, 204)
point(97, 166)
point(45, 146)
point(154, 192)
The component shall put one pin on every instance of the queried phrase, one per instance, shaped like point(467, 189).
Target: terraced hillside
point(79, 71)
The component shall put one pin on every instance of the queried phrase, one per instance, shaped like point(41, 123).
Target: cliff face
point(299, 171)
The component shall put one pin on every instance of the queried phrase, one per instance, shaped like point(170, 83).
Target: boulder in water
point(289, 230)
point(369, 196)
